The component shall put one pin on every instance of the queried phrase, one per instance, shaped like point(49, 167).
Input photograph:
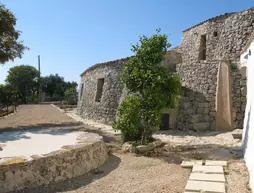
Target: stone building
point(208, 63)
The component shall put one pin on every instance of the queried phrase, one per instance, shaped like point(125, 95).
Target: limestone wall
point(197, 106)
point(71, 161)
point(239, 92)
point(105, 110)
point(226, 35)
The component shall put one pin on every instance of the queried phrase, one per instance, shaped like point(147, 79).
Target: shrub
point(129, 114)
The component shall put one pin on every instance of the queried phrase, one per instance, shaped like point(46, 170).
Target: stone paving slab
point(190, 164)
point(199, 186)
point(215, 163)
point(207, 177)
point(207, 169)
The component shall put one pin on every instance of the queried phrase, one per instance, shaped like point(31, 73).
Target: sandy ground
point(26, 143)
point(237, 177)
point(125, 173)
point(36, 116)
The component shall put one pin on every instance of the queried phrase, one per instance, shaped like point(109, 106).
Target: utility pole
point(39, 67)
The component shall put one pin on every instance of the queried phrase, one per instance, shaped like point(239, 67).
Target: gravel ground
point(36, 116)
point(125, 173)
point(237, 177)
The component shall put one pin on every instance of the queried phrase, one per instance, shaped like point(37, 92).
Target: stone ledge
point(74, 160)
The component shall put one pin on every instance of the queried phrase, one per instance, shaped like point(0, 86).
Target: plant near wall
point(152, 88)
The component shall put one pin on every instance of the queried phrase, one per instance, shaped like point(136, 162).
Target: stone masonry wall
point(197, 106)
point(105, 110)
point(239, 92)
point(69, 162)
point(232, 33)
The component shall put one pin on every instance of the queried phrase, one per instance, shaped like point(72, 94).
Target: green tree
point(10, 47)
point(154, 87)
point(56, 85)
point(23, 79)
point(8, 96)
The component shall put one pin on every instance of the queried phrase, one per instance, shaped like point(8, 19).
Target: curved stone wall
point(70, 161)
point(105, 109)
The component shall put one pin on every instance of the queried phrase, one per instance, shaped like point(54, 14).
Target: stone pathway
point(205, 178)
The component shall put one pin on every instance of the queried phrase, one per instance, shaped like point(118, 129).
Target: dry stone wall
point(70, 161)
point(235, 33)
point(104, 110)
point(226, 35)
point(197, 106)
point(239, 92)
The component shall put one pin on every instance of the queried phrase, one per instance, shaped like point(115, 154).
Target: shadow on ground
point(176, 154)
point(74, 183)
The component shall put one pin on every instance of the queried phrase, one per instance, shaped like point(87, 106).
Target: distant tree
point(8, 96)
point(56, 85)
point(10, 47)
point(23, 79)
point(152, 88)
point(70, 91)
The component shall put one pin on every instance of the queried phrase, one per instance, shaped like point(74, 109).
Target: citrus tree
point(151, 88)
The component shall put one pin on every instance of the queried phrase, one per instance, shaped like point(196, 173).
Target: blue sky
point(71, 35)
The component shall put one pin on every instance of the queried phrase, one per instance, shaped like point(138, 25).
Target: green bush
point(129, 116)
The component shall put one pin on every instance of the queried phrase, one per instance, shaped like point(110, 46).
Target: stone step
point(200, 186)
point(215, 163)
point(190, 164)
point(207, 177)
point(207, 169)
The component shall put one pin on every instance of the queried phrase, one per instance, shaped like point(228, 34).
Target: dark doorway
point(165, 122)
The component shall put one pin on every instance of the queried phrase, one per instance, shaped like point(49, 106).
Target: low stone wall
point(70, 161)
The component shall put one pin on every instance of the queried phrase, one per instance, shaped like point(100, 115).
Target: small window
point(202, 48)
point(100, 83)
point(215, 34)
point(81, 90)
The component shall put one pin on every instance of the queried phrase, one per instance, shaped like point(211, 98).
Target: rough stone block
point(207, 177)
point(200, 186)
point(201, 126)
point(190, 164)
point(215, 163)
point(196, 118)
point(207, 169)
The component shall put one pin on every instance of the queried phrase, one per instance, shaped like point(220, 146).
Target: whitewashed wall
point(247, 59)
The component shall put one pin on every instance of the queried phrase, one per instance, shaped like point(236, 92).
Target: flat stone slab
point(207, 169)
point(200, 186)
point(190, 164)
point(207, 177)
point(215, 163)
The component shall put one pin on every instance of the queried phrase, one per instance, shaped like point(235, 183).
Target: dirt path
point(36, 116)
